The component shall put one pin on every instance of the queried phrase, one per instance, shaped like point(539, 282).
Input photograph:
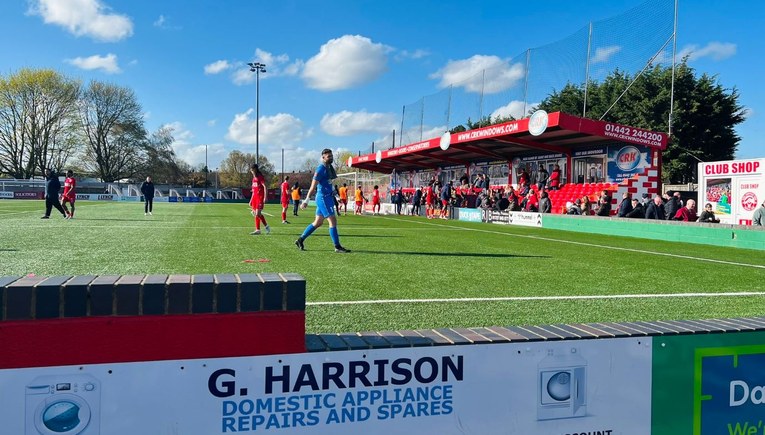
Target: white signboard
point(561, 387)
point(735, 188)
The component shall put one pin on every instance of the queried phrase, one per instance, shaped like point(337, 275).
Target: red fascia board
point(614, 131)
point(535, 145)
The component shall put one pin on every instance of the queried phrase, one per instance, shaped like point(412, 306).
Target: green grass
point(393, 258)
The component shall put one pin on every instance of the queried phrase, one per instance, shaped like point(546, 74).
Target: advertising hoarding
point(561, 387)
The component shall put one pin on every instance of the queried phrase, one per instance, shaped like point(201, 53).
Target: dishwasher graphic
point(562, 389)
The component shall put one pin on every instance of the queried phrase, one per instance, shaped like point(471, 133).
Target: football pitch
point(404, 272)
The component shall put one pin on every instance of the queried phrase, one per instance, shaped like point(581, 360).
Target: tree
point(38, 126)
point(341, 160)
point(705, 114)
point(235, 169)
point(161, 162)
point(116, 138)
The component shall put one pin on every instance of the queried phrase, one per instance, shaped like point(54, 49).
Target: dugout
point(588, 152)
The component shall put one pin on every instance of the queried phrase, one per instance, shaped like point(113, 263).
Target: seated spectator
point(502, 202)
point(573, 209)
point(637, 212)
point(758, 218)
point(604, 204)
point(655, 209)
point(530, 203)
point(585, 206)
point(708, 215)
point(625, 206)
point(687, 213)
point(545, 206)
point(671, 205)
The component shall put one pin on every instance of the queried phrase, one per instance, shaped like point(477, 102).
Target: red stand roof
point(564, 134)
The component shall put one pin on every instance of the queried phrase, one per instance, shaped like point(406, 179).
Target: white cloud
point(281, 130)
point(604, 54)
point(276, 66)
point(217, 67)
point(499, 74)
point(84, 18)
point(416, 54)
point(747, 113)
point(106, 63)
point(163, 23)
point(717, 51)
point(347, 123)
point(346, 62)
point(514, 109)
point(191, 153)
point(160, 21)
point(212, 122)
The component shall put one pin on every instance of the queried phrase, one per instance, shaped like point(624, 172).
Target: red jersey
point(375, 196)
point(429, 193)
point(69, 184)
point(285, 192)
point(259, 188)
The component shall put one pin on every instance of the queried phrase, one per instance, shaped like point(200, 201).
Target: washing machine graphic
point(562, 392)
point(63, 405)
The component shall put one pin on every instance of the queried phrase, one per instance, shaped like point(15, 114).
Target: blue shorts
point(325, 206)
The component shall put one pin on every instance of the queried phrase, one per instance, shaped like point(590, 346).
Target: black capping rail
point(38, 297)
point(526, 334)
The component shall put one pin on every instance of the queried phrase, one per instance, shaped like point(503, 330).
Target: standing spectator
point(542, 176)
point(625, 206)
point(687, 213)
point(524, 180)
point(69, 196)
point(672, 205)
point(258, 199)
point(655, 209)
point(464, 179)
point(359, 199)
point(545, 206)
point(708, 215)
point(147, 189)
point(285, 198)
point(399, 200)
point(758, 218)
point(295, 198)
point(325, 209)
point(446, 197)
point(416, 201)
point(604, 204)
point(554, 180)
point(52, 186)
point(638, 211)
point(646, 201)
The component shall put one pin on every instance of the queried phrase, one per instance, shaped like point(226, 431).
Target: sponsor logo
point(538, 122)
point(749, 201)
point(27, 195)
point(7, 195)
point(628, 158)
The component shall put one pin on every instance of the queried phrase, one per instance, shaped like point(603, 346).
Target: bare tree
point(38, 126)
point(114, 129)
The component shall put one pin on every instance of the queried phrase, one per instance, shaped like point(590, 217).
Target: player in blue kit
point(325, 204)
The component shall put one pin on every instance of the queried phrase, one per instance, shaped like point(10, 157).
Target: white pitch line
point(536, 298)
point(616, 248)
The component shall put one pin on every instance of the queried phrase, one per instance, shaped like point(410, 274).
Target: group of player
point(52, 199)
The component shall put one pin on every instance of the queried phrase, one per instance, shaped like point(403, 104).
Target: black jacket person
point(52, 186)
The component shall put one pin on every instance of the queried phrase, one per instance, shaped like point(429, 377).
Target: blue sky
point(339, 71)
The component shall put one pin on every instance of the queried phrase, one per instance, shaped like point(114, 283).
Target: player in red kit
point(430, 198)
point(69, 196)
point(285, 198)
point(376, 200)
point(258, 199)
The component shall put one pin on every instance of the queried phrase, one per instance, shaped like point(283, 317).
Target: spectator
point(708, 215)
point(512, 200)
point(524, 180)
point(573, 209)
point(464, 179)
point(542, 177)
point(638, 211)
point(502, 203)
point(585, 206)
point(655, 209)
point(545, 206)
point(625, 206)
point(758, 218)
point(672, 205)
point(687, 213)
point(554, 180)
point(604, 204)
point(646, 201)
point(147, 188)
point(399, 200)
point(530, 203)
point(416, 201)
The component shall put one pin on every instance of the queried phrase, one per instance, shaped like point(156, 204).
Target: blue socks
point(308, 231)
point(334, 236)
